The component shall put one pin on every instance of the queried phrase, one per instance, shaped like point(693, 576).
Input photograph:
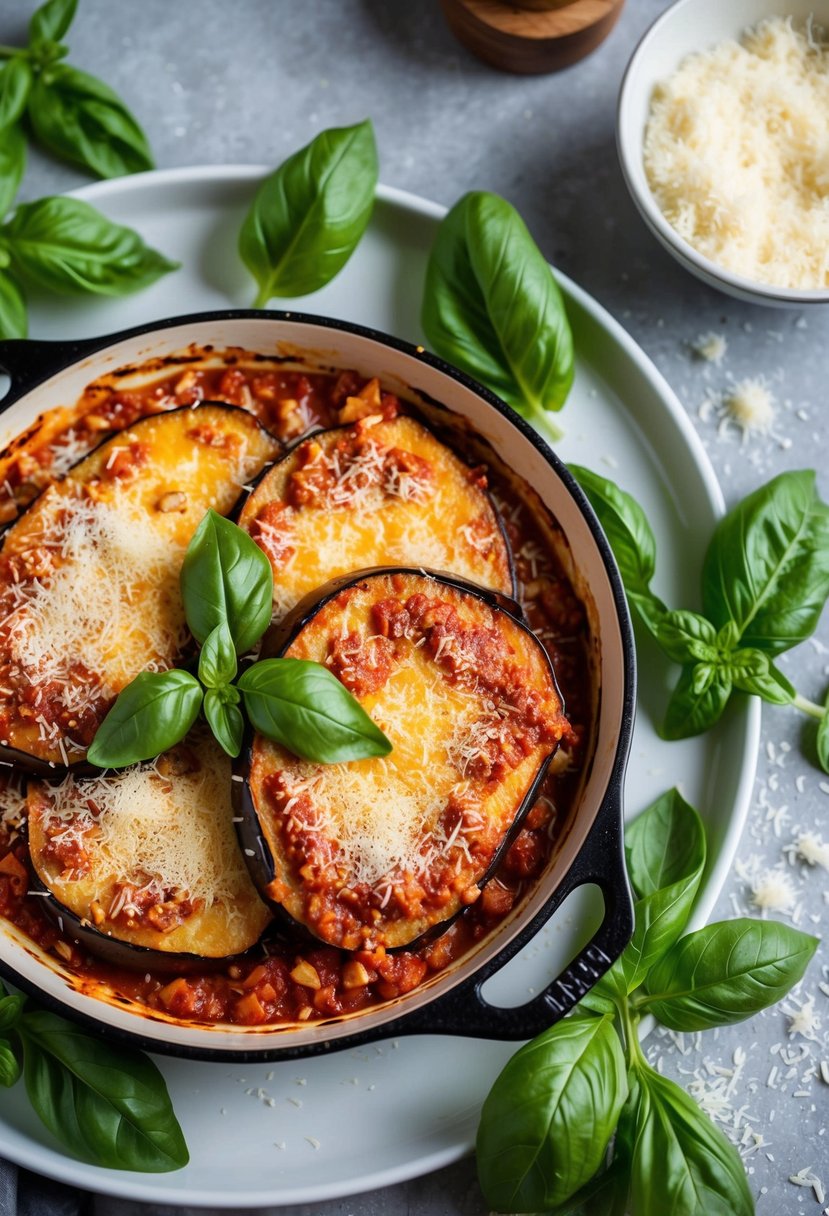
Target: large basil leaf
point(727, 972)
point(225, 718)
point(13, 315)
point(664, 845)
point(151, 715)
point(547, 1120)
point(492, 307)
point(631, 539)
point(682, 1164)
point(305, 708)
point(80, 118)
point(12, 167)
point(108, 1105)
point(15, 83)
point(308, 217)
point(66, 246)
point(51, 21)
point(659, 920)
point(226, 579)
point(697, 702)
point(767, 567)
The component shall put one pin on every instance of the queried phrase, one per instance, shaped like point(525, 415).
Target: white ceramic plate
point(364, 1118)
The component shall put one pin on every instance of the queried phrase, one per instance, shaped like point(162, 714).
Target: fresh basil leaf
point(598, 1197)
point(822, 741)
point(631, 539)
point(10, 1009)
point(226, 579)
point(752, 671)
point(492, 307)
point(767, 567)
point(107, 1104)
point(12, 168)
point(682, 1164)
point(696, 705)
point(51, 21)
point(664, 845)
point(9, 1065)
point(15, 83)
point(66, 246)
point(726, 972)
point(309, 215)
point(217, 661)
point(224, 720)
point(305, 708)
point(687, 637)
point(81, 119)
point(13, 316)
point(659, 920)
point(599, 999)
point(547, 1120)
point(150, 716)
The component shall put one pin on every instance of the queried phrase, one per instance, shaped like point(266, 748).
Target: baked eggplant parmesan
point(147, 860)
point(376, 493)
point(89, 574)
point(379, 852)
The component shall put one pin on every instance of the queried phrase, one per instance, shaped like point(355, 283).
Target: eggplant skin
point(143, 866)
point(89, 593)
point(382, 852)
point(374, 493)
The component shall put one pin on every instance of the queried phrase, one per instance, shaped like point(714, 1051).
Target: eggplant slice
point(376, 493)
point(89, 574)
point(382, 851)
point(147, 860)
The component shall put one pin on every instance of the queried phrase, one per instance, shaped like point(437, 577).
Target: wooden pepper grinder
point(531, 36)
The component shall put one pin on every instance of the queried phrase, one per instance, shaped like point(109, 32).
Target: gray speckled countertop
point(252, 81)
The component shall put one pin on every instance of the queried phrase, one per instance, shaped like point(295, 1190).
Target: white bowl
point(685, 27)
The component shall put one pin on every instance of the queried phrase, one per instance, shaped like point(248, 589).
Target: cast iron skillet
point(449, 1004)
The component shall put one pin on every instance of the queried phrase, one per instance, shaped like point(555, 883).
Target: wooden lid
point(531, 36)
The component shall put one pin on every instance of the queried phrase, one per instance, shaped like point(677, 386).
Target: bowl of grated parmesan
point(723, 138)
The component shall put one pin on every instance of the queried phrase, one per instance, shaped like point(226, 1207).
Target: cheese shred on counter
point(737, 154)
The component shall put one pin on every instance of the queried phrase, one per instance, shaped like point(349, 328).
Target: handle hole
point(551, 950)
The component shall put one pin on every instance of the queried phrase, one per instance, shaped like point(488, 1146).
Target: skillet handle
point(27, 362)
point(463, 1011)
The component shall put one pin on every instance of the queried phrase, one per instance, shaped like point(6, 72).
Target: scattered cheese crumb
point(750, 405)
point(812, 849)
point(772, 891)
point(806, 1177)
point(802, 1018)
point(711, 347)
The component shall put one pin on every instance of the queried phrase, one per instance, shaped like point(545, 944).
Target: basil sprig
point(227, 591)
point(108, 1105)
point(492, 307)
point(546, 1139)
point(72, 114)
point(765, 581)
point(309, 215)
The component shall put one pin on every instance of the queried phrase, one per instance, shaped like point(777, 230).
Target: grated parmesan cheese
point(750, 405)
point(737, 156)
point(711, 347)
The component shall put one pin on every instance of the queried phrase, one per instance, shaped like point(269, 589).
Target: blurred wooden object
point(531, 36)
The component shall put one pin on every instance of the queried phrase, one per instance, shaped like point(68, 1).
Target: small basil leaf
point(767, 566)
point(687, 637)
point(695, 706)
point(151, 715)
point(726, 972)
point(664, 845)
point(217, 661)
point(599, 999)
point(631, 539)
point(13, 317)
point(492, 307)
point(659, 920)
point(682, 1164)
point(308, 217)
point(305, 708)
point(15, 83)
point(9, 1065)
point(224, 720)
point(823, 738)
point(81, 119)
point(226, 579)
point(66, 246)
point(51, 21)
point(548, 1119)
point(12, 167)
point(107, 1104)
point(752, 671)
point(10, 1010)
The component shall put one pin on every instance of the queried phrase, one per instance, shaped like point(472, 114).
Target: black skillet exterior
point(461, 1010)
point(254, 847)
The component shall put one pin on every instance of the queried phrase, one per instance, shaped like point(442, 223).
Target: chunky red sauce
point(284, 979)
